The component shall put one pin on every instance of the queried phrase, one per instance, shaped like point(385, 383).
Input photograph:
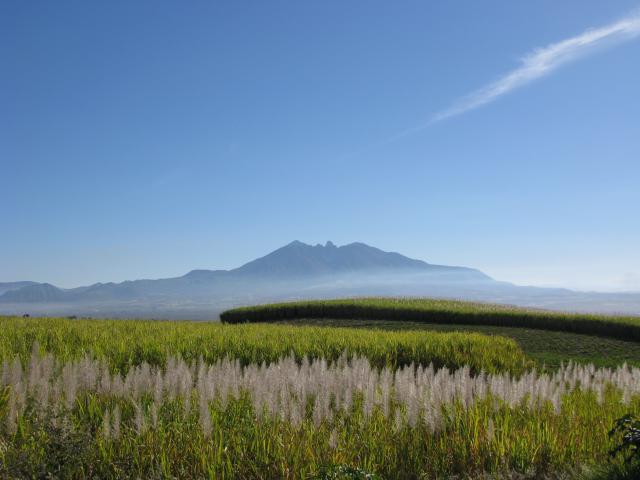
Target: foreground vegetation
point(440, 311)
point(76, 419)
point(155, 399)
point(546, 348)
point(128, 343)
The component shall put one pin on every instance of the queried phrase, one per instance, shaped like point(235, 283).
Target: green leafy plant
point(344, 472)
point(628, 428)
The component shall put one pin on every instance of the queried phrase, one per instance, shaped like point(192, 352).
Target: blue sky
point(145, 139)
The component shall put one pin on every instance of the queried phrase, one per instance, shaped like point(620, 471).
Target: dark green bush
point(627, 428)
point(344, 472)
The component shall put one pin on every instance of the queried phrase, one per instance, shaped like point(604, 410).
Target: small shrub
point(628, 428)
point(344, 472)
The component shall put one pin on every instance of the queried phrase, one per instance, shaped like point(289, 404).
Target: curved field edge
point(125, 343)
point(549, 349)
point(440, 311)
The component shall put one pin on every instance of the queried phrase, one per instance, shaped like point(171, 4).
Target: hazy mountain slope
point(43, 292)
point(8, 286)
point(298, 259)
point(298, 271)
point(293, 261)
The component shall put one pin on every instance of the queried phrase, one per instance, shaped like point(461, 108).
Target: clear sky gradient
point(145, 139)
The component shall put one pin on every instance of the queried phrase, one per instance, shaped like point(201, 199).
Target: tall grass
point(147, 399)
point(125, 343)
point(440, 311)
point(77, 419)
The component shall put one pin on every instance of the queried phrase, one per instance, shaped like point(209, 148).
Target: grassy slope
point(544, 347)
point(522, 443)
point(441, 312)
point(548, 338)
point(130, 342)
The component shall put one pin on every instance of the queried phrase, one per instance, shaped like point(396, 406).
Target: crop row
point(439, 311)
point(129, 343)
point(287, 419)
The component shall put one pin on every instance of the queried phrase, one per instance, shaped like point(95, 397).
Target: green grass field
point(128, 343)
point(317, 394)
point(545, 347)
point(442, 312)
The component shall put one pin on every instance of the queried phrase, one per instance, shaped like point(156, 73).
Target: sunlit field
point(124, 344)
point(441, 311)
point(146, 399)
point(548, 349)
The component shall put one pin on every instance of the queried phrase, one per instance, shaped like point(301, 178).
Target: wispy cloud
point(537, 64)
point(540, 63)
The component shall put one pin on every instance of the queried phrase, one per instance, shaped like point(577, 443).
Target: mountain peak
point(300, 259)
point(297, 263)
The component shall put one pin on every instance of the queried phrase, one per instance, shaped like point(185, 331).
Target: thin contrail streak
point(537, 64)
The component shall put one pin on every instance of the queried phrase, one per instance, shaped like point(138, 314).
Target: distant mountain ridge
point(8, 286)
point(300, 259)
point(294, 261)
point(296, 271)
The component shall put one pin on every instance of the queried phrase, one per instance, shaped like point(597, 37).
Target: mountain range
point(294, 271)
